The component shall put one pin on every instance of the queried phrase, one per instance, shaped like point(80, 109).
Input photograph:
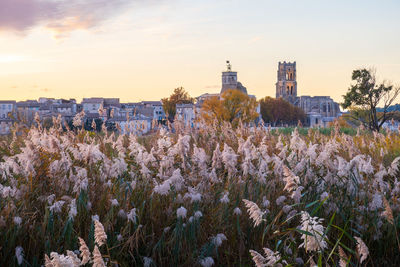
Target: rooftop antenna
point(228, 65)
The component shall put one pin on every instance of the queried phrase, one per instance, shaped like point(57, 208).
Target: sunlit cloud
point(60, 17)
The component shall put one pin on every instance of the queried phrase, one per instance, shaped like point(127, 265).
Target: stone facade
point(230, 82)
point(187, 113)
point(320, 110)
point(286, 86)
point(7, 116)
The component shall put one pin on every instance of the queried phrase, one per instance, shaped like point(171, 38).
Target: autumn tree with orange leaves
point(233, 106)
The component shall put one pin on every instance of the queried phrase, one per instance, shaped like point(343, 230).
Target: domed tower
point(229, 80)
point(286, 86)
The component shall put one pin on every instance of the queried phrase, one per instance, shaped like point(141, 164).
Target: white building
point(5, 126)
point(187, 113)
point(137, 125)
point(158, 110)
point(7, 115)
point(7, 108)
point(92, 105)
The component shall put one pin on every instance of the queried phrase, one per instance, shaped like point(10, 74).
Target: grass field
point(200, 197)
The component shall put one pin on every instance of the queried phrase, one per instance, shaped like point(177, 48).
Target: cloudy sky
point(142, 49)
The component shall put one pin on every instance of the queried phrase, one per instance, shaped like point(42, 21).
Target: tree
point(341, 121)
point(233, 106)
point(364, 97)
point(179, 96)
point(212, 110)
point(279, 111)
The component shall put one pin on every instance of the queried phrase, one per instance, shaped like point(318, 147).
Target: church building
point(229, 80)
point(320, 110)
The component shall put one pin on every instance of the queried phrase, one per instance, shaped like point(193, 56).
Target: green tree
point(364, 97)
point(179, 96)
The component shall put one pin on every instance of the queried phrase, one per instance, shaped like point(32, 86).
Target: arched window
point(287, 90)
point(291, 76)
point(291, 90)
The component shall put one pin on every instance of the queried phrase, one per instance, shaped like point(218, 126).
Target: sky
point(142, 49)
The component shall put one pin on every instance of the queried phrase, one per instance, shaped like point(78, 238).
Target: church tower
point(229, 80)
point(286, 86)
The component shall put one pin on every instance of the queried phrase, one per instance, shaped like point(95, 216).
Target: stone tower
point(286, 86)
point(229, 80)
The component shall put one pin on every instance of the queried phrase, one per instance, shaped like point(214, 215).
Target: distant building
point(229, 80)
point(392, 125)
point(320, 110)
point(200, 99)
point(26, 110)
point(158, 110)
point(137, 125)
point(92, 105)
point(286, 86)
point(7, 108)
point(5, 126)
point(112, 106)
point(102, 108)
point(187, 113)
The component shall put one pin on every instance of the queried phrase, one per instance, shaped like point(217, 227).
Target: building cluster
point(188, 112)
point(320, 110)
point(110, 111)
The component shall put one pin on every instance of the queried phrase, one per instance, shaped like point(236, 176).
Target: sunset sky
point(142, 50)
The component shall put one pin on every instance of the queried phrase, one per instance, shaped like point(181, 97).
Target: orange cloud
point(61, 17)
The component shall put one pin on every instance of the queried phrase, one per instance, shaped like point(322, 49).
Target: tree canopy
point(179, 96)
point(279, 111)
point(363, 98)
point(233, 106)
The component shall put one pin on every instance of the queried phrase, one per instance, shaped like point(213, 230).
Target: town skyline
point(141, 51)
point(49, 93)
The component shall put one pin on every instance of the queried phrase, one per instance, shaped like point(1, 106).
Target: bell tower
point(229, 78)
point(286, 86)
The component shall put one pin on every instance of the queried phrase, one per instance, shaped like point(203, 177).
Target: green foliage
point(365, 95)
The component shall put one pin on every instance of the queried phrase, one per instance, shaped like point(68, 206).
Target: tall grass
point(294, 177)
